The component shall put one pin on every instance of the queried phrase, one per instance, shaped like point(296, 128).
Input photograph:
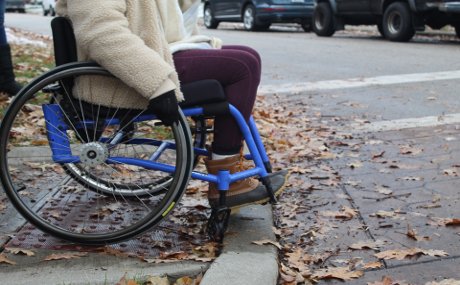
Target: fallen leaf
point(385, 281)
point(373, 265)
point(157, 280)
point(444, 221)
point(407, 149)
point(383, 190)
point(299, 260)
point(378, 155)
point(184, 281)
point(342, 273)
point(451, 172)
point(367, 245)
point(4, 259)
point(400, 254)
point(346, 213)
point(14, 250)
point(67, 255)
point(267, 241)
point(412, 233)
point(124, 281)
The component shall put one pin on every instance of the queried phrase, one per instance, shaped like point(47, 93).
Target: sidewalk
point(241, 261)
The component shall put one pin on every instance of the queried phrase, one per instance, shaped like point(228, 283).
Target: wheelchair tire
point(53, 192)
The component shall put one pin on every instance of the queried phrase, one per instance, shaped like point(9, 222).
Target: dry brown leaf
point(378, 155)
point(346, 213)
point(174, 255)
point(124, 281)
point(383, 190)
point(297, 169)
point(290, 275)
point(14, 250)
point(407, 149)
point(157, 280)
point(299, 260)
point(400, 254)
point(412, 233)
point(185, 281)
point(67, 255)
point(112, 251)
point(373, 265)
point(444, 221)
point(207, 250)
point(367, 245)
point(267, 241)
point(342, 273)
point(4, 259)
point(451, 172)
point(385, 281)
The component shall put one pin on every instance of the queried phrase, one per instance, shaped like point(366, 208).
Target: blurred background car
point(258, 15)
point(15, 6)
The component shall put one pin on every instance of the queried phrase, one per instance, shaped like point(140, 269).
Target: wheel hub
point(93, 154)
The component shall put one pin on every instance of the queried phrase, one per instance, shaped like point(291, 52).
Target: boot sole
point(265, 200)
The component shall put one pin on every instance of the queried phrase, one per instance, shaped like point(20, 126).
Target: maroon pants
point(238, 69)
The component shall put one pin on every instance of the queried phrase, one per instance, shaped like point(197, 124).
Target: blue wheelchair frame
point(56, 125)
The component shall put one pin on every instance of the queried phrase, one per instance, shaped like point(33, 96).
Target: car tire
point(209, 21)
point(323, 20)
point(397, 22)
point(250, 22)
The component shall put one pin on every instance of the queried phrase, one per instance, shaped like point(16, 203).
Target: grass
point(31, 61)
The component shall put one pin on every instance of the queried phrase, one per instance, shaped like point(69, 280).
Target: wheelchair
point(91, 174)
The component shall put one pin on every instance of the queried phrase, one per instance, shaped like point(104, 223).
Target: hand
point(165, 108)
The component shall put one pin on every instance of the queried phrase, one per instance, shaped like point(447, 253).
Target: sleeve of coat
point(102, 31)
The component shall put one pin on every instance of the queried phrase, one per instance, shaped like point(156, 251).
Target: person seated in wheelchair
point(152, 47)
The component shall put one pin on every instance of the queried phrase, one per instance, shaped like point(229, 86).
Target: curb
point(243, 262)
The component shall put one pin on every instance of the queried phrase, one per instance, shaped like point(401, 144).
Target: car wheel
point(397, 22)
point(323, 20)
point(209, 21)
point(250, 21)
point(457, 30)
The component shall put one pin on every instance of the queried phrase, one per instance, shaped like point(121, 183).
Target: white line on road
point(295, 88)
point(400, 124)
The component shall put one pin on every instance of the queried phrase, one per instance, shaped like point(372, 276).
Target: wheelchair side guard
point(57, 136)
point(57, 127)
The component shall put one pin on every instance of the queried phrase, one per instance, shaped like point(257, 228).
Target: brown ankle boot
point(242, 192)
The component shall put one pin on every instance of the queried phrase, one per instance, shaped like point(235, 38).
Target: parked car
point(396, 20)
point(15, 6)
point(49, 7)
point(258, 15)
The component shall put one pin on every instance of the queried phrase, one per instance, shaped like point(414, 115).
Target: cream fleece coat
point(130, 38)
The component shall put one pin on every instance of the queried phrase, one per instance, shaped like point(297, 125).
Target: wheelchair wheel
point(87, 173)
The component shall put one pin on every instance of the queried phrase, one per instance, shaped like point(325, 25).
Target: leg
point(2, 20)
point(7, 79)
point(240, 80)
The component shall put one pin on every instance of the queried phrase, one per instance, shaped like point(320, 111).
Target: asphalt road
point(397, 80)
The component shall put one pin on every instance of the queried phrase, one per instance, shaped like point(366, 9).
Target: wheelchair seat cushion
point(202, 92)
